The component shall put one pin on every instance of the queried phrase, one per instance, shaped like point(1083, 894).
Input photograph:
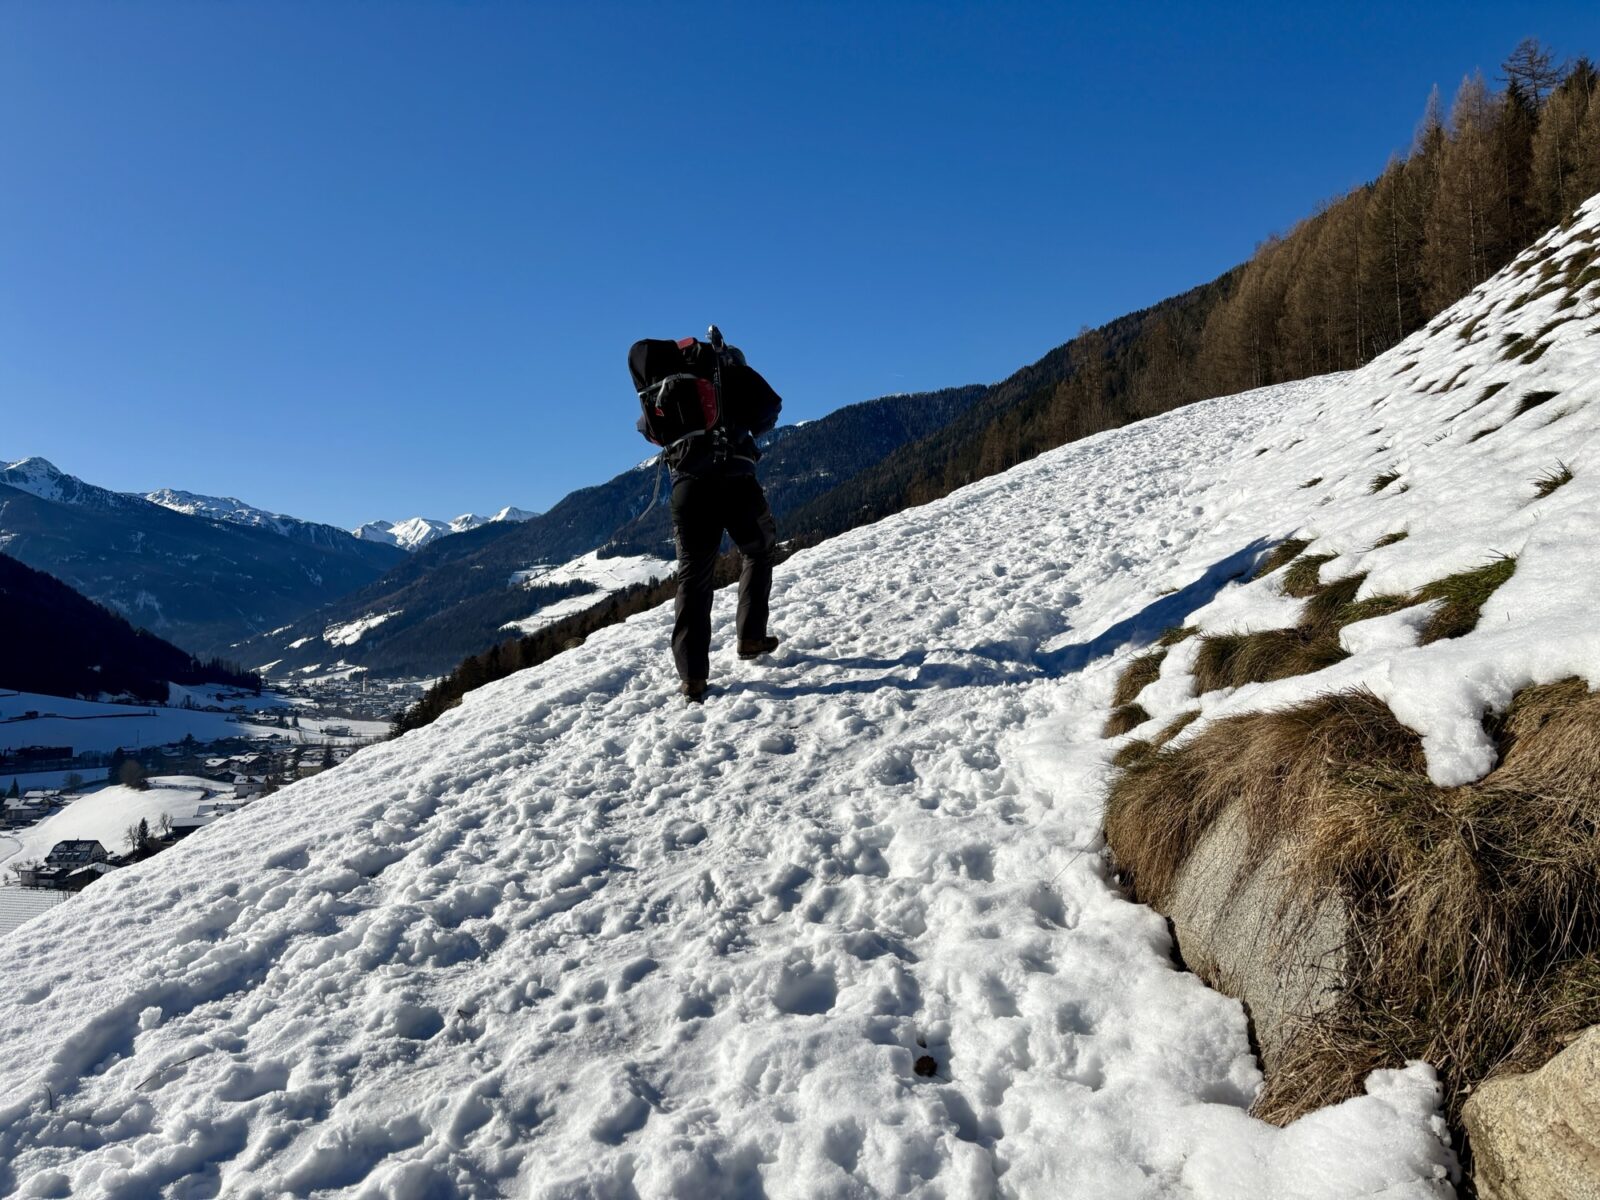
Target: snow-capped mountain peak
point(219, 508)
point(417, 532)
point(38, 476)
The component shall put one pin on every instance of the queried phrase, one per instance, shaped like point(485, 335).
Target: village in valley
point(88, 787)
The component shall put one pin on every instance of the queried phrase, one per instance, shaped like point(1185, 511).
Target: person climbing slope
point(705, 407)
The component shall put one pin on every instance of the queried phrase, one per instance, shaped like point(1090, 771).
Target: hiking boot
point(694, 690)
point(758, 647)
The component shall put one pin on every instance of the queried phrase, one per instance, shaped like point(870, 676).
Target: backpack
point(690, 387)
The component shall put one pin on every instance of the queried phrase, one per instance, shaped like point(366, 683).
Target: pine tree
point(1532, 69)
point(1466, 227)
point(1563, 169)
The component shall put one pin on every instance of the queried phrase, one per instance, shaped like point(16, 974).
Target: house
point(182, 827)
point(246, 788)
point(70, 866)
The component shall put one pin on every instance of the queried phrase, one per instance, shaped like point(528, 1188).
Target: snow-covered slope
point(609, 573)
point(579, 939)
point(416, 532)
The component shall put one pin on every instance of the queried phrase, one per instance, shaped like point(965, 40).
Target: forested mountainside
point(63, 644)
point(453, 596)
point(1366, 270)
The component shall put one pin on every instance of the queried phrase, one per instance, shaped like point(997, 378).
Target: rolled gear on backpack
point(688, 388)
point(678, 401)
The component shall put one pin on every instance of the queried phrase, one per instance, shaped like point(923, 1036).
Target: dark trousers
point(701, 509)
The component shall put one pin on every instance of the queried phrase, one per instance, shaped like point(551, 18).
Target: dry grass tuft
point(1483, 433)
point(1390, 539)
point(1404, 367)
point(1303, 576)
point(1231, 660)
point(1124, 719)
point(1475, 911)
point(1312, 482)
point(1515, 345)
point(1488, 392)
point(1235, 659)
point(1551, 480)
point(1137, 676)
point(1381, 481)
point(1461, 598)
point(1284, 552)
point(1178, 633)
point(1532, 400)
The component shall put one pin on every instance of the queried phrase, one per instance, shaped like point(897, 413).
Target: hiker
point(705, 407)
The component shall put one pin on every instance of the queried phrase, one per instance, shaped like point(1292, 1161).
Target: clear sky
point(356, 259)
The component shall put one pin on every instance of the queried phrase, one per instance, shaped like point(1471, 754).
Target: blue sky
point(351, 260)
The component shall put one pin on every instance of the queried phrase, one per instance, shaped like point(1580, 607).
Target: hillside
point(202, 583)
point(63, 644)
point(455, 597)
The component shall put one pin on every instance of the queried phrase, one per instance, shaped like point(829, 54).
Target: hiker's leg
point(697, 527)
point(751, 526)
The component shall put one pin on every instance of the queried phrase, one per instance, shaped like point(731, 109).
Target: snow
point(606, 574)
point(577, 938)
point(90, 725)
point(104, 815)
point(351, 633)
point(222, 508)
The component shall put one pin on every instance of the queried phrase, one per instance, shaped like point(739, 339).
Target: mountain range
point(202, 572)
point(417, 532)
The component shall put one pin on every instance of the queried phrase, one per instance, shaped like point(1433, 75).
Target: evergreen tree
point(1563, 168)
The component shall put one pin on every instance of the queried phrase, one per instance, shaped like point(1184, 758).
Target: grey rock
point(1243, 929)
point(1536, 1136)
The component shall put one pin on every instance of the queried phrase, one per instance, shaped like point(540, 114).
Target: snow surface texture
point(580, 939)
point(577, 938)
point(606, 574)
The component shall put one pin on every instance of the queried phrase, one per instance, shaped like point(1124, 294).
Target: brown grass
point(1475, 910)
point(1390, 539)
point(1136, 676)
point(1532, 400)
point(1178, 633)
point(1381, 481)
point(1303, 576)
point(1123, 719)
point(1280, 555)
point(1230, 660)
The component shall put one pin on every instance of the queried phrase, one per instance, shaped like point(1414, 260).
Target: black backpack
point(690, 387)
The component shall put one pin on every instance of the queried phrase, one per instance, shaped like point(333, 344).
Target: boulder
point(1536, 1136)
point(1243, 929)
